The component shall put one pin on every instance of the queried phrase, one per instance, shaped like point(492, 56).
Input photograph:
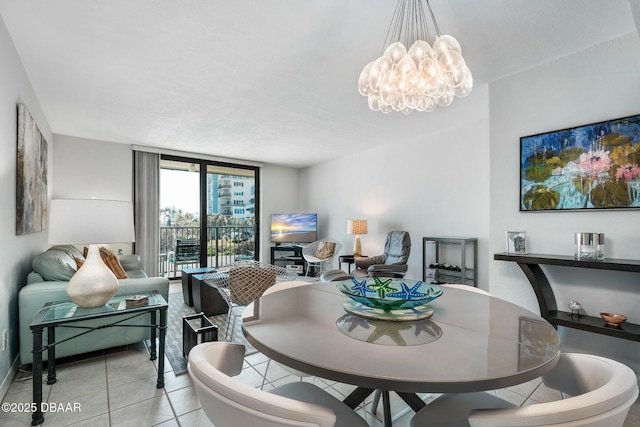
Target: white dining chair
point(601, 392)
point(275, 288)
point(228, 402)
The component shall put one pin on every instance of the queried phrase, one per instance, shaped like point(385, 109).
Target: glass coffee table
point(66, 314)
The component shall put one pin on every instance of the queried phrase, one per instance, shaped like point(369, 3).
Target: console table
point(530, 266)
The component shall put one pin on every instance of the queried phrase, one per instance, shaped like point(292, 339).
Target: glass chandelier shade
point(421, 78)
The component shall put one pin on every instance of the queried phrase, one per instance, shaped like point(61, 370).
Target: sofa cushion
point(55, 264)
point(130, 262)
point(111, 261)
point(71, 250)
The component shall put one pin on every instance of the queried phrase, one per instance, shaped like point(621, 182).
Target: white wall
point(16, 252)
point(279, 194)
point(429, 183)
point(597, 84)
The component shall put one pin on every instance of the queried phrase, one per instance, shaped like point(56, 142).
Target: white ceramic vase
point(94, 284)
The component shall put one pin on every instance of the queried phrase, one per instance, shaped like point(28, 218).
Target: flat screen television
point(294, 228)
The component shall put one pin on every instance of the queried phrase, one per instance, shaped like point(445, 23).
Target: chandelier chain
point(433, 18)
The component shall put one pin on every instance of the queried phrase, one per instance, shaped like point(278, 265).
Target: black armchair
point(392, 263)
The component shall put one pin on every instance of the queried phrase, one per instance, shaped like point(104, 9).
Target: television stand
point(291, 254)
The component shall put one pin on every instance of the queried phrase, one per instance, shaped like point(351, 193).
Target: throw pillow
point(70, 250)
point(111, 261)
point(325, 250)
point(114, 264)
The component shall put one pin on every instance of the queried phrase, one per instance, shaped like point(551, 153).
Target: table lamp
point(91, 222)
point(357, 227)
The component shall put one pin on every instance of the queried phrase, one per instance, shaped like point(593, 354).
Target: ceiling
point(271, 81)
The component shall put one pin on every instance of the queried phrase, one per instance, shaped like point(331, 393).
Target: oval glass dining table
point(472, 342)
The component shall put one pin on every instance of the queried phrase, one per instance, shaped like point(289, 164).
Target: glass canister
point(589, 246)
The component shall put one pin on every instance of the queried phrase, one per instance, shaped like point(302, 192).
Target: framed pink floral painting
point(595, 166)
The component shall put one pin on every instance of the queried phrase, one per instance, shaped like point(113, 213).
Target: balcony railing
point(225, 245)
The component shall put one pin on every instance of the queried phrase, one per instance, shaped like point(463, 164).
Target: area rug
point(173, 341)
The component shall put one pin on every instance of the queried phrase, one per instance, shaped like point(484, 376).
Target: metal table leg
point(37, 416)
point(154, 325)
point(51, 355)
point(163, 330)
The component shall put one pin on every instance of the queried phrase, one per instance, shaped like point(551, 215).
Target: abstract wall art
point(589, 167)
point(31, 180)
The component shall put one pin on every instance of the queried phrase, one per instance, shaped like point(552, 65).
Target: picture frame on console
point(589, 167)
point(517, 242)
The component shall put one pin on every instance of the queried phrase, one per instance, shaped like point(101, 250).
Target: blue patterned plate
point(389, 293)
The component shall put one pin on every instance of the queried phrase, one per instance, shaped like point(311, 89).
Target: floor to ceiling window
point(208, 213)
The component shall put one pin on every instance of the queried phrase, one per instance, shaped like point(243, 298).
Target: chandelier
point(421, 78)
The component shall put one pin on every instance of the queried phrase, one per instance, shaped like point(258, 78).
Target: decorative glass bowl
point(389, 293)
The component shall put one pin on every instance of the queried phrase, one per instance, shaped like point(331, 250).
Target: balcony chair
point(392, 263)
point(187, 252)
point(230, 403)
point(242, 282)
point(602, 391)
point(320, 254)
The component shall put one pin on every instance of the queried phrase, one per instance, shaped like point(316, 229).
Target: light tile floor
point(118, 389)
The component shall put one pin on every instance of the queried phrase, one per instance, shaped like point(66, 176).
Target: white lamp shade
point(90, 221)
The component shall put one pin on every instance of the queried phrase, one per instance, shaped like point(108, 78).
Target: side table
point(348, 259)
point(207, 331)
point(206, 298)
point(187, 283)
point(115, 313)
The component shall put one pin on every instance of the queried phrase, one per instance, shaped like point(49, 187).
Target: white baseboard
point(6, 382)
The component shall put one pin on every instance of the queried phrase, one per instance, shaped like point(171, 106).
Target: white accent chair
point(602, 391)
point(228, 402)
point(318, 255)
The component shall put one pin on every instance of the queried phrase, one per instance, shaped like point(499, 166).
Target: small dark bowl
point(613, 320)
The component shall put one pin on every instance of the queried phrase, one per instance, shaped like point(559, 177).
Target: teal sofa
point(47, 282)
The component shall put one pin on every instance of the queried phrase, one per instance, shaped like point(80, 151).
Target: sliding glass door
point(208, 213)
